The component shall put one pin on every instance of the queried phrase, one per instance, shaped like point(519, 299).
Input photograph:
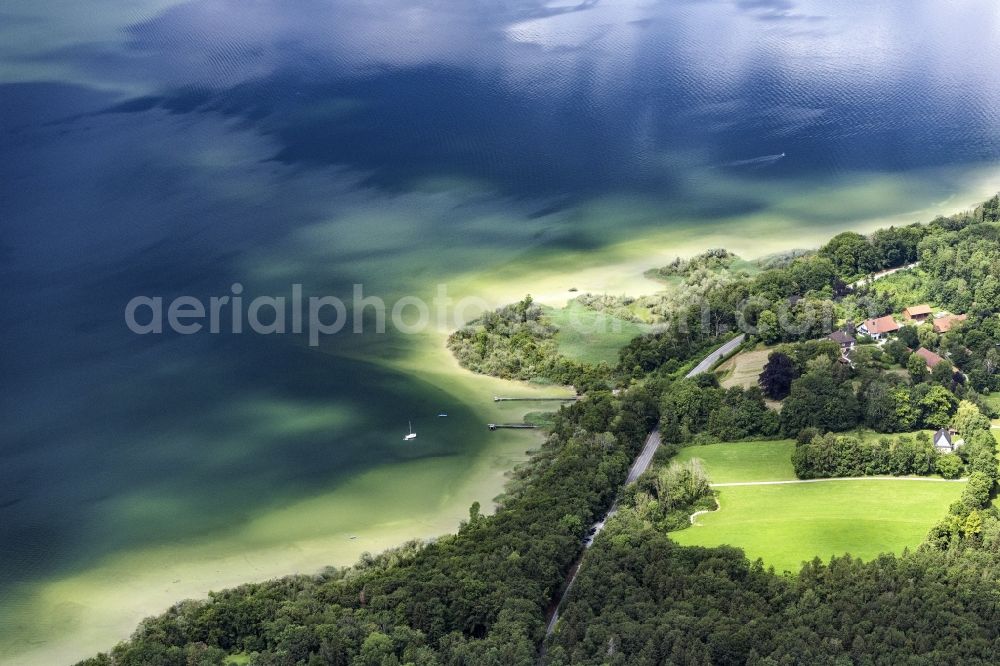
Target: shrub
point(949, 466)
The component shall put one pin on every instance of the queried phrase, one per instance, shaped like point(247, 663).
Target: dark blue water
point(177, 149)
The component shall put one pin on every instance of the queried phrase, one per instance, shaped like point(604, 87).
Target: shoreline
point(620, 267)
point(130, 585)
point(90, 611)
point(122, 590)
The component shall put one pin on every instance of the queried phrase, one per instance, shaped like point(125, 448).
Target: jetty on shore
point(516, 426)
point(565, 398)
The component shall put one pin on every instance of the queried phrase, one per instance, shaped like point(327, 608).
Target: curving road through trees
point(640, 465)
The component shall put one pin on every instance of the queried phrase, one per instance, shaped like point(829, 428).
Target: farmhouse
point(944, 324)
point(879, 328)
point(917, 313)
point(930, 358)
point(844, 339)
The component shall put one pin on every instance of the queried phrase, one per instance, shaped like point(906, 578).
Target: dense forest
point(481, 596)
point(642, 600)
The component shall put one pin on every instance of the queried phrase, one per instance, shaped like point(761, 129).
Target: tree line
point(831, 455)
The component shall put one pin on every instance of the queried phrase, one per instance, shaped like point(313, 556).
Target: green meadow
point(787, 524)
point(589, 336)
point(744, 461)
point(993, 401)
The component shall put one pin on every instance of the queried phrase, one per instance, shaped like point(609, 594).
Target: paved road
point(863, 281)
point(717, 355)
point(838, 478)
point(640, 465)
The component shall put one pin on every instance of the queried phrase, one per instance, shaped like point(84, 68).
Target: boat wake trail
point(756, 162)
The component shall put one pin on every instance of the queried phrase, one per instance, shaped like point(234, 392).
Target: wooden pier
point(567, 398)
point(516, 426)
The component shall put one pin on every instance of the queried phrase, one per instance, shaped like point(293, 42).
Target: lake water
point(163, 148)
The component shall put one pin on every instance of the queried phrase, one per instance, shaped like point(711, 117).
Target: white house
point(945, 442)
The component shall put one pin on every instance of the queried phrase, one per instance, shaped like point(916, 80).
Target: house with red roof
point(944, 324)
point(879, 328)
point(930, 358)
point(917, 313)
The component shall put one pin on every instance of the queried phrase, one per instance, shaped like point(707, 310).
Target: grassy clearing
point(865, 435)
point(992, 401)
point(787, 524)
point(908, 287)
point(745, 461)
point(589, 336)
point(743, 369)
point(540, 418)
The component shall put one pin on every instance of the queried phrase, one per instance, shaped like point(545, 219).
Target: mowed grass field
point(788, 524)
point(744, 461)
point(743, 369)
point(589, 336)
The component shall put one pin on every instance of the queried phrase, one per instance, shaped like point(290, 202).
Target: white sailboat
point(411, 435)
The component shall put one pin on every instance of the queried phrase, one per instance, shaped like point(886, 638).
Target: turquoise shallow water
point(173, 148)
